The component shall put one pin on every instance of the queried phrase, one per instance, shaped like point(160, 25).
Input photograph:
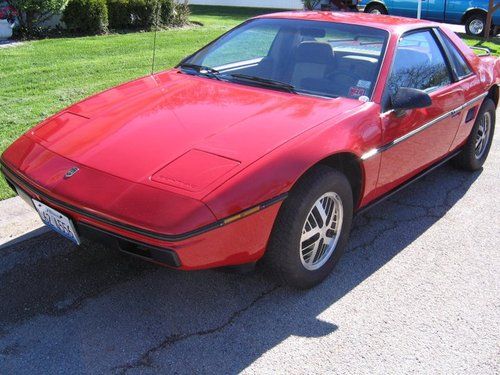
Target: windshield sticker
point(356, 92)
point(364, 84)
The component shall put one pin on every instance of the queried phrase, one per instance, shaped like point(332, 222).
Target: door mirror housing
point(408, 98)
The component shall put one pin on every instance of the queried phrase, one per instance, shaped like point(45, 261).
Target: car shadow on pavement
point(92, 309)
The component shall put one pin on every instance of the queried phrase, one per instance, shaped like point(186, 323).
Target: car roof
point(396, 25)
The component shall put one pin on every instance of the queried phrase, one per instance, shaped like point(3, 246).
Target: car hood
point(137, 129)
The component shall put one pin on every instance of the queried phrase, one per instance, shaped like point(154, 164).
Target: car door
point(433, 10)
point(404, 8)
point(414, 139)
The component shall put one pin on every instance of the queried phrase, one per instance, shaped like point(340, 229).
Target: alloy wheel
point(483, 135)
point(321, 231)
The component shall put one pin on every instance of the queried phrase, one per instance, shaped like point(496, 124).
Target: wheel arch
point(493, 94)
point(350, 165)
point(375, 2)
point(470, 12)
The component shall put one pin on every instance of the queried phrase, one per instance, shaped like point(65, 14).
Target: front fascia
point(237, 242)
point(109, 198)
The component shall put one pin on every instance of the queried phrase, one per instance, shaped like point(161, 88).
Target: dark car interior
point(318, 58)
point(319, 67)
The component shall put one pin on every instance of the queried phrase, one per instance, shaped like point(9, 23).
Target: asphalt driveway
point(417, 292)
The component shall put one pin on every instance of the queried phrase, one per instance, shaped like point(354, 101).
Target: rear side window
point(419, 64)
point(457, 60)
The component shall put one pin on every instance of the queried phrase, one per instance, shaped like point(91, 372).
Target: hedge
point(141, 14)
point(94, 16)
point(86, 16)
point(119, 15)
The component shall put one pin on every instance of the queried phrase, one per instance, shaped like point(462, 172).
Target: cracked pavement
point(417, 292)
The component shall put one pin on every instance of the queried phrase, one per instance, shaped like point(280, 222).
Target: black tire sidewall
point(380, 7)
point(476, 16)
point(467, 159)
point(292, 216)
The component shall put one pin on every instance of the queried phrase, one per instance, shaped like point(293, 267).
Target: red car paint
point(167, 160)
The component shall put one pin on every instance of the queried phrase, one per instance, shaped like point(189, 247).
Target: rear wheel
point(376, 9)
point(478, 145)
point(475, 24)
point(312, 228)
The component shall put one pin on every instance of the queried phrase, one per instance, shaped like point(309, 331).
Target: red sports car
point(263, 144)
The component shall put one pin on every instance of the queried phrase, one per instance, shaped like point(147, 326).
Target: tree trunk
point(22, 19)
point(29, 20)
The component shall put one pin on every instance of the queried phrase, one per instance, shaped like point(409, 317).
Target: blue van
point(471, 13)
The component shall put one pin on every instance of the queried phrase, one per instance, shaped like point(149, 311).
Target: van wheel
point(376, 9)
point(475, 24)
point(312, 229)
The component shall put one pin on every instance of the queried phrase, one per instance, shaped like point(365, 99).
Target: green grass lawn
point(493, 45)
point(42, 77)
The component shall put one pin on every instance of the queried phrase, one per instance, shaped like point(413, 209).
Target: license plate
point(57, 221)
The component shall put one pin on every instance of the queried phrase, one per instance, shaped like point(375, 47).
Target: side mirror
point(407, 98)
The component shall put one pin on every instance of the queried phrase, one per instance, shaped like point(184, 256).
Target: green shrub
point(167, 12)
point(181, 14)
point(33, 12)
point(174, 13)
point(119, 14)
point(86, 16)
point(143, 14)
point(36, 32)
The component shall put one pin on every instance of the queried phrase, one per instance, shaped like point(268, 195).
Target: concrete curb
point(18, 222)
point(9, 44)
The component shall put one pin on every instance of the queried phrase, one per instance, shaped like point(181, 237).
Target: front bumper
point(237, 240)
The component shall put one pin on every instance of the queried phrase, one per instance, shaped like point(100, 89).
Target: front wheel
point(312, 228)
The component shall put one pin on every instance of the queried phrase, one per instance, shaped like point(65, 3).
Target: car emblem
point(71, 172)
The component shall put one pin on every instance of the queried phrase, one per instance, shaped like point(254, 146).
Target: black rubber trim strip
point(12, 176)
point(408, 182)
point(10, 184)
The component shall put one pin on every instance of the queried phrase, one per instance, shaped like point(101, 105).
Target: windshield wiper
point(200, 69)
point(265, 82)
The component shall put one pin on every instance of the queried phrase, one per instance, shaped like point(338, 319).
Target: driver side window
point(419, 64)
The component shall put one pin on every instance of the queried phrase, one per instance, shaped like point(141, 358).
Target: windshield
point(303, 57)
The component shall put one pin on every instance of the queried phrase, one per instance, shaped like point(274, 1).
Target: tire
point(292, 264)
point(473, 155)
point(376, 9)
point(475, 24)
